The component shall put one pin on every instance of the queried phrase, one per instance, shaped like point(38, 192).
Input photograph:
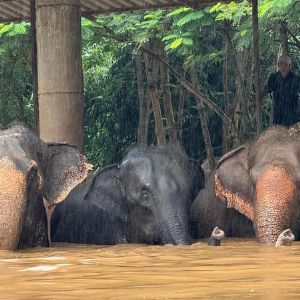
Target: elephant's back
point(277, 145)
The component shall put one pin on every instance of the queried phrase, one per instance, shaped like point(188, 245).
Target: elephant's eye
point(145, 197)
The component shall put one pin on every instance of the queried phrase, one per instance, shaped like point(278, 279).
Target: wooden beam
point(19, 10)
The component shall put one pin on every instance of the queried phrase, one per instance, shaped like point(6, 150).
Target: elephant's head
point(158, 184)
point(30, 170)
point(103, 190)
point(20, 198)
point(82, 218)
point(261, 181)
point(63, 168)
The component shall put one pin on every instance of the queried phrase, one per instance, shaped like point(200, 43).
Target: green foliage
point(191, 38)
point(190, 17)
point(185, 28)
point(111, 115)
point(14, 29)
point(15, 74)
point(233, 11)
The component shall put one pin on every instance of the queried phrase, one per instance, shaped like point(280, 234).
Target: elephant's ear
point(106, 193)
point(233, 182)
point(240, 153)
point(65, 167)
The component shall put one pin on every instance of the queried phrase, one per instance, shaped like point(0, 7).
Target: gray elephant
point(78, 220)
point(208, 211)
point(261, 180)
point(33, 172)
point(145, 199)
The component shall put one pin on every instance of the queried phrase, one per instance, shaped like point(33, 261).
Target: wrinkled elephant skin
point(261, 180)
point(208, 211)
point(145, 199)
point(78, 220)
point(30, 171)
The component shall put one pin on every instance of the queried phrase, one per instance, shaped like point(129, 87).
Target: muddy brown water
point(238, 269)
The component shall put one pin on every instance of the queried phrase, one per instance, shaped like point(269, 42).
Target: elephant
point(144, 199)
point(33, 176)
point(261, 180)
point(208, 211)
point(78, 220)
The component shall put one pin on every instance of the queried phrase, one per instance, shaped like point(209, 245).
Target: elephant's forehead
point(139, 167)
point(11, 178)
point(288, 158)
point(12, 151)
point(288, 151)
point(9, 145)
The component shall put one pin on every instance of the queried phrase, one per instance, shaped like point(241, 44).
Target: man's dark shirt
point(285, 91)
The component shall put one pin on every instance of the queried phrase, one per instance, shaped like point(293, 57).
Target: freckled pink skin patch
point(275, 200)
point(12, 203)
point(233, 200)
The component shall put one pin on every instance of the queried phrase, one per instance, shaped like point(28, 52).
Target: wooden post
point(34, 66)
point(60, 86)
point(259, 126)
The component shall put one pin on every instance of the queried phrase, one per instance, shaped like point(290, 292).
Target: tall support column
point(34, 67)
point(60, 87)
point(259, 125)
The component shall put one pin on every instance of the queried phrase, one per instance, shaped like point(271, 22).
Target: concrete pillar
point(60, 87)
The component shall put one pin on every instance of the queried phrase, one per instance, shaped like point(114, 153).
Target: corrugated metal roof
point(19, 10)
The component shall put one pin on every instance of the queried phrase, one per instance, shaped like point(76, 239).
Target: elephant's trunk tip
point(286, 238)
point(216, 237)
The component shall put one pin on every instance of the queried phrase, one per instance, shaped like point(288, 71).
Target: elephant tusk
point(49, 208)
point(285, 238)
point(216, 236)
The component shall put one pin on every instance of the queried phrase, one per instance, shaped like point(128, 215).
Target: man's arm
point(269, 87)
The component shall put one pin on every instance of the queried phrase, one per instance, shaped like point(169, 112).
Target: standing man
point(284, 88)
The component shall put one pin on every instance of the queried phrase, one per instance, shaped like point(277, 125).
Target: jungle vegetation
point(179, 76)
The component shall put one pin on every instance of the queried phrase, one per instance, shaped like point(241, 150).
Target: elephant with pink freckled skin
point(32, 171)
point(261, 181)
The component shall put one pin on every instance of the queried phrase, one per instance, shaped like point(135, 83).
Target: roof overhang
point(19, 10)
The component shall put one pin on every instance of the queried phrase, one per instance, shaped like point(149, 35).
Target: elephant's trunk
point(275, 198)
point(12, 204)
point(175, 230)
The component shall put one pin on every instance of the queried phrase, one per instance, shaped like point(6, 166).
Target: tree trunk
point(259, 126)
point(203, 121)
point(167, 99)
point(237, 74)
point(226, 129)
point(60, 71)
point(296, 41)
point(144, 104)
point(190, 88)
point(194, 91)
point(152, 85)
point(284, 37)
point(180, 110)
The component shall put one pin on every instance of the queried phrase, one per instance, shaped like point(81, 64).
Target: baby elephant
point(145, 199)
